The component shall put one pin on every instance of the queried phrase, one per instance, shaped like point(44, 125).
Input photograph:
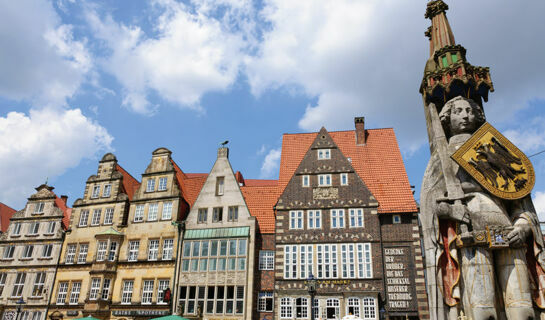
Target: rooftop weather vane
point(224, 143)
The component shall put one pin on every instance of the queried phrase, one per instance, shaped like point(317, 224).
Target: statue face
point(462, 118)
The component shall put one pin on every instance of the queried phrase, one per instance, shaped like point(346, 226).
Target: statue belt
point(493, 237)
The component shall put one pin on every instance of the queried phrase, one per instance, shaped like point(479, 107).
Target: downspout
point(181, 231)
point(55, 275)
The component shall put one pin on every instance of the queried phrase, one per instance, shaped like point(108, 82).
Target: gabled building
point(88, 264)
point(30, 250)
point(216, 277)
point(346, 216)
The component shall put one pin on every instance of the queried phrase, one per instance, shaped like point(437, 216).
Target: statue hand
point(518, 236)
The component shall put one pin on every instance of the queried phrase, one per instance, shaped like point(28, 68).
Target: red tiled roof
point(260, 201)
point(378, 163)
point(260, 183)
point(130, 184)
point(66, 212)
point(5, 214)
point(190, 183)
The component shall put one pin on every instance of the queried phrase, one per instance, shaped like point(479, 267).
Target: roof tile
point(5, 214)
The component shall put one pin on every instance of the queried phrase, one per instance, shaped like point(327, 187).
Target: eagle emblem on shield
point(498, 165)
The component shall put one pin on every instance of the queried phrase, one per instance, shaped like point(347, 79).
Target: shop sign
point(139, 313)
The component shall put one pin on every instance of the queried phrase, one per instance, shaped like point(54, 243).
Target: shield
point(499, 167)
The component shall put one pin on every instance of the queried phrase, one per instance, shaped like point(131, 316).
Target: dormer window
point(39, 207)
point(162, 184)
point(306, 180)
point(150, 187)
point(107, 191)
point(96, 192)
point(324, 154)
point(324, 180)
point(220, 181)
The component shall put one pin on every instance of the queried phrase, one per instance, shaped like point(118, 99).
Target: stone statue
point(485, 283)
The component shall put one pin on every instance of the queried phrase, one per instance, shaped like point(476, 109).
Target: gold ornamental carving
point(496, 164)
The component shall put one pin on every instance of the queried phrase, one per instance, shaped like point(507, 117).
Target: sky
point(79, 79)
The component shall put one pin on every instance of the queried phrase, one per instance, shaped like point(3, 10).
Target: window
point(96, 192)
point(337, 218)
point(353, 307)
point(266, 260)
point(220, 186)
point(344, 179)
point(139, 213)
point(324, 180)
point(51, 227)
point(95, 288)
point(109, 216)
point(167, 211)
point(286, 309)
point(150, 186)
point(314, 219)
point(202, 215)
point(83, 218)
point(16, 229)
point(38, 287)
point(70, 253)
point(74, 294)
point(239, 303)
point(25, 315)
point(396, 218)
point(305, 180)
point(147, 291)
point(356, 218)
point(445, 61)
point(133, 250)
point(113, 251)
point(47, 250)
point(39, 207)
point(365, 269)
point(8, 252)
point(3, 277)
point(101, 250)
point(301, 308)
point(61, 292)
point(265, 302)
point(95, 220)
point(162, 184)
point(37, 315)
point(106, 289)
point(454, 57)
point(296, 219)
point(107, 190)
point(153, 249)
point(18, 285)
point(168, 244)
point(33, 228)
point(232, 214)
point(327, 261)
point(83, 249)
point(290, 262)
point(126, 295)
point(333, 304)
point(27, 252)
point(347, 261)
point(152, 211)
point(369, 308)
point(324, 154)
point(316, 308)
point(305, 261)
point(161, 288)
point(217, 214)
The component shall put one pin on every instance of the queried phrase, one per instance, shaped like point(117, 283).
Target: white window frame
point(153, 249)
point(343, 179)
point(301, 303)
point(168, 247)
point(39, 282)
point(232, 213)
point(83, 218)
point(95, 219)
point(102, 248)
point(134, 247)
point(153, 210)
point(150, 185)
point(314, 219)
point(16, 229)
point(105, 288)
point(305, 261)
point(95, 289)
point(74, 292)
point(396, 219)
point(70, 253)
point(39, 208)
point(348, 261)
point(8, 252)
point(369, 306)
point(47, 250)
point(108, 216)
point(166, 211)
point(337, 218)
point(266, 260)
point(147, 291)
point(305, 180)
point(3, 277)
point(107, 191)
point(220, 186)
point(202, 215)
point(324, 154)
point(364, 260)
point(262, 299)
point(96, 192)
point(290, 261)
point(286, 308)
point(163, 284)
point(126, 293)
point(28, 250)
point(112, 253)
point(34, 228)
point(51, 227)
point(18, 285)
point(139, 213)
point(162, 184)
point(324, 180)
point(356, 218)
point(62, 292)
point(83, 251)
point(296, 220)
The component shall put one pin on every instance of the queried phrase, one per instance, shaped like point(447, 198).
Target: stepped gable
point(260, 200)
point(378, 162)
point(46, 192)
point(6, 213)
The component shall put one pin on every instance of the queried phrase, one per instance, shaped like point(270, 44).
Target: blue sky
point(82, 78)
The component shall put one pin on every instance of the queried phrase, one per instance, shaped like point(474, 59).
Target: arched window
point(301, 308)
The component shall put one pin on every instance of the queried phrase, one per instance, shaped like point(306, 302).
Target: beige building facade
point(30, 250)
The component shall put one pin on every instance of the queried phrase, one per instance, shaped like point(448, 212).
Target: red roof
point(5, 214)
point(190, 183)
point(378, 163)
point(65, 210)
point(260, 183)
point(260, 201)
point(130, 184)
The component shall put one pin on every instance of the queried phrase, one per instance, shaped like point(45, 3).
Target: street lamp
point(311, 287)
point(20, 304)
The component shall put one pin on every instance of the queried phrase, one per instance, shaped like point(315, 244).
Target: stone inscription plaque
point(325, 193)
point(399, 279)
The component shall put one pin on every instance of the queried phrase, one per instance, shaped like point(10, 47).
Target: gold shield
point(499, 167)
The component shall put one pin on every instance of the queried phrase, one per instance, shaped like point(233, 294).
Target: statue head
point(461, 115)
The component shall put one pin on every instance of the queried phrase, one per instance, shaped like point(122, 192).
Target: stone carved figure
point(462, 275)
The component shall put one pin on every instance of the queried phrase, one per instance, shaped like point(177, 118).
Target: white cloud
point(271, 164)
point(530, 137)
point(539, 204)
point(44, 143)
point(192, 53)
point(41, 62)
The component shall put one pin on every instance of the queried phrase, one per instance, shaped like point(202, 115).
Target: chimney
point(223, 152)
point(65, 199)
point(359, 122)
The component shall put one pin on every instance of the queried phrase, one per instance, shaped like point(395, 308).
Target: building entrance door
point(332, 309)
